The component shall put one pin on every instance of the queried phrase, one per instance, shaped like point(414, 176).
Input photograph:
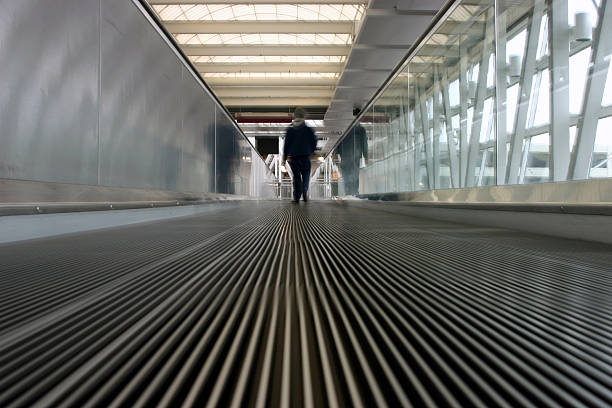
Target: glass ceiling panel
point(242, 59)
point(264, 39)
point(270, 75)
point(439, 39)
point(467, 13)
point(260, 12)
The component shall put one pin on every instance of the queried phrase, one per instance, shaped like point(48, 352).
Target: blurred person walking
point(300, 144)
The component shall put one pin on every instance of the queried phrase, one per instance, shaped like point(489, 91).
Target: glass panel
point(601, 162)
point(607, 98)
point(435, 125)
point(537, 160)
point(579, 70)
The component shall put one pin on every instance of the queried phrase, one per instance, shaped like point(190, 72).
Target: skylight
point(264, 39)
point(260, 12)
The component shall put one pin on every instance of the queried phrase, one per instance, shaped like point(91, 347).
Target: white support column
point(525, 86)
point(591, 105)
point(501, 85)
point(490, 130)
point(452, 148)
point(437, 112)
point(405, 119)
point(419, 141)
point(414, 143)
point(481, 92)
point(422, 101)
point(464, 96)
point(559, 39)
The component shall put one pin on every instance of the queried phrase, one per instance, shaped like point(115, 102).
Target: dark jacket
point(300, 140)
point(354, 146)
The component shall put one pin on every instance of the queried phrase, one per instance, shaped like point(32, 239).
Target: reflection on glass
point(501, 92)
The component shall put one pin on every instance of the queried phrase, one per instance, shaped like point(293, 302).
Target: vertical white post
point(481, 93)
point(525, 86)
point(452, 148)
point(559, 41)
point(463, 116)
point(437, 111)
point(501, 94)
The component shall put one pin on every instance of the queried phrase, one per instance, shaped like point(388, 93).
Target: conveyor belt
point(273, 304)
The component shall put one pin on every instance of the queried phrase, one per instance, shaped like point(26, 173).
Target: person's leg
point(305, 178)
point(350, 186)
point(297, 179)
point(356, 178)
point(349, 178)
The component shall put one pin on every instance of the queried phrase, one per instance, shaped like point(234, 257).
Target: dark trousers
point(300, 166)
point(350, 173)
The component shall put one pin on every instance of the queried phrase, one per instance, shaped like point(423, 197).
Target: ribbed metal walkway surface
point(322, 304)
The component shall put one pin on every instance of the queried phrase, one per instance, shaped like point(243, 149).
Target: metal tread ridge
point(321, 305)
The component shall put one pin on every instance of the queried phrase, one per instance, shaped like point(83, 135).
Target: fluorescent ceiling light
point(270, 75)
point(242, 59)
point(264, 39)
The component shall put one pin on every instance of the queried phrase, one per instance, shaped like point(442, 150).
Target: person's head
point(299, 113)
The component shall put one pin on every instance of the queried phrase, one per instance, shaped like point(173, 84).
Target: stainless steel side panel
point(93, 94)
point(197, 138)
point(49, 90)
point(141, 110)
point(227, 161)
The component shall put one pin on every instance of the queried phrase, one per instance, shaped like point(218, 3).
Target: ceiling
point(263, 58)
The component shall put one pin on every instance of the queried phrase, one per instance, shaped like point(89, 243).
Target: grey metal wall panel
point(141, 113)
point(93, 94)
point(245, 159)
point(226, 153)
point(49, 90)
point(198, 138)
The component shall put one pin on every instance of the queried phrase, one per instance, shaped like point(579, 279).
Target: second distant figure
point(300, 144)
point(350, 150)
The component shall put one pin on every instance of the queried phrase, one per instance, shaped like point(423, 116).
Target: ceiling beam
point(401, 12)
point(429, 50)
point(273, 92)
point(216, 81)
point(278, 111)
point(277, 130)
point(191, 2)
point(362, 46)
point(275, 101)
point(274, 128)
point(206, 67)
point(267, 50)
point(257, 27)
